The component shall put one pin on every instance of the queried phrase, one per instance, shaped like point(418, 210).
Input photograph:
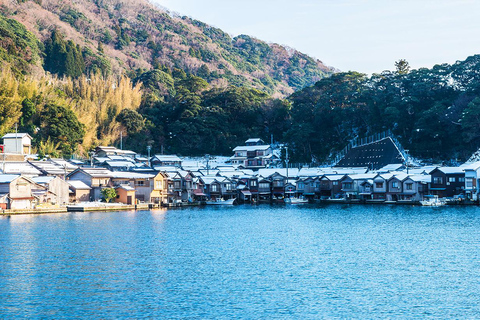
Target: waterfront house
point(264, 189)
point(149, 187)
point(21, 168)
point(125, 194)
point(79, 191)
point(395, 186)
point(348, 188)
point(278, 185)
point(380, 186)
point(415, 187)
point(56, 186)
point(16, 191)
point(212, 187)
point(447, 182)
point(472, 180)
point(95, 178)
point(331, 186)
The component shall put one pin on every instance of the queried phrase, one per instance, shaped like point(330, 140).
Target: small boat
point(295, 200)
point(220, 202)
point(433, 202)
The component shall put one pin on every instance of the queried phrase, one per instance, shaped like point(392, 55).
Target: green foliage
point(18, 46)
point(109, 194)
point(62, 126)
point(131, 120)
point(63, 57)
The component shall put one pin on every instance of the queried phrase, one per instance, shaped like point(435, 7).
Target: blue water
point(299, 262)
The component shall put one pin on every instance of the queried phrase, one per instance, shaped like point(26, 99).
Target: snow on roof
point(335, 177)
point(97, 172)
point(252, 148)
point(390, 167)
point(363, 176)
point(7, 178)
point(43, 179)
point(251, 140)
point(125, 187)
point(421, 178)
point(120, 164)
point(78, 185)
point(16, 135)
point(451, 170)
point(24, 168)
point(131, 175)
point(161, 157)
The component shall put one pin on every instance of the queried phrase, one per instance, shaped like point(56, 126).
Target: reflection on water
point(244, 261)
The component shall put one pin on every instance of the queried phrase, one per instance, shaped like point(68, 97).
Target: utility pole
point(207, 156)
point(121, 139)
point(16, 138)
point(148, 158)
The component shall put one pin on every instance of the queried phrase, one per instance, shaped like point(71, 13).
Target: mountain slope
point(134, 34)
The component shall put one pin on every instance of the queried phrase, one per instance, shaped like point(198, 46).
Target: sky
point(361, 35)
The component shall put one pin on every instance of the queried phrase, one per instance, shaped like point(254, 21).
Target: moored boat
point(294, 200)
point(433, 202)
point(220, 202)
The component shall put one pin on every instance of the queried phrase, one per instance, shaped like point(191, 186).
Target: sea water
point(248, 262)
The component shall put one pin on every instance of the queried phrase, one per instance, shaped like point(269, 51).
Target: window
point(409, 186)
point(347, 185)
point(253, 183)
point(437, 180)
point(451, 179)
point(301, 185)
point(158, 184)
point(379, 185)
point(228, 186)
point(469, 183)
point(335, 183)
point(461, 179)
point(214, 188)
point(140, 183)
point(395, 184)
point(264, 185)
point(278, 183)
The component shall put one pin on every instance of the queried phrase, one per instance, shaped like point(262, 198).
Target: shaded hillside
point(135, 35)
point(434, 112)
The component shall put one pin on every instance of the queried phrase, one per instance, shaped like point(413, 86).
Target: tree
point(61, 125)
point(132, 120)
point(109, 194)
point(402, 66)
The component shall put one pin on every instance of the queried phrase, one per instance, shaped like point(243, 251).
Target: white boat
point(295, 200)
point(220, 202)
point(433, 202)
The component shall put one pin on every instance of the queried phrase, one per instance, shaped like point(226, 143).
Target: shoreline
point(150, 206)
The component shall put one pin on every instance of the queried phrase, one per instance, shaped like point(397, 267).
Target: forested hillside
point(79, 74)
point(435, 112)
point(131, 36)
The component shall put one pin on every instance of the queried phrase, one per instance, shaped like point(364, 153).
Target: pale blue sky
point(362, 35)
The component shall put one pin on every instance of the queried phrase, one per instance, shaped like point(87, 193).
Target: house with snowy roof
point(255, 154)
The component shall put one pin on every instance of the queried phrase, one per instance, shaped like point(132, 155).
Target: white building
point(254, 155)
point(17, 143)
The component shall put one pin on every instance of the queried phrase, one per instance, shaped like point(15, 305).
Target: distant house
point(161, 160)
point(104, 151)
point(79, 191)
point(254, 155)
point(17, 143)
point(16, 192)
point(472, 180)
point(447, 181)
point(125, 194)
point(95, 178)
point(57, 186)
